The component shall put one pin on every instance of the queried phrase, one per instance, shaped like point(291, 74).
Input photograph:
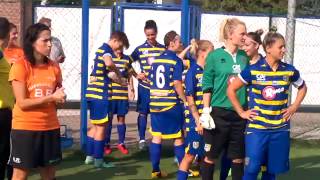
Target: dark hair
point(256, 36)
point(122, 37)
point(12, 26)
point(169, 37)
point(4, 28)
point(151, 24)
point(271, 38)
point(32, 34)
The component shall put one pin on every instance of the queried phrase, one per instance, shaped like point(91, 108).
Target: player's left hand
point(131, 94)
point(289, 112)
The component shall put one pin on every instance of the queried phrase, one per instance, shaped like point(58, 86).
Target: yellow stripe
point(100, 58)
point(119, 98)
point(121, 60)
point(198, 102)
point(164, 61)
point(166, 136)
point(275, 103)
point(149, 55)
point(269, 83)
point(119, 91)
point(161, 110)
point(99, 121)
point(162, 103)
point(268, 73)
point(162, 97)
point(160, 91)
point(152, 49)
point(256, 91)
point(200, 93)
point(267, 112)
point(146, 67)
point(99, 71)
point(95, 89)
point(97, 83)
point(100, 65)
point(256, 126)
point(268, 121)
point(187, 120)
point(100, 51)
point(199, 75)
point(116, 84)
point(94, 96)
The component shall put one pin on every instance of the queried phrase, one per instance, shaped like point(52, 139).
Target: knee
point(189, 157)
point(121, 120)
point(156, 139)
point(178, 141)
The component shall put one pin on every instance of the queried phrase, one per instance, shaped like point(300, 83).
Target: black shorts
point(229, 133)
point(32, 149)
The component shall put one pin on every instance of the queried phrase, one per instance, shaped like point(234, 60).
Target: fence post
point(185, 28)
point(84, 72)
point(290, 31)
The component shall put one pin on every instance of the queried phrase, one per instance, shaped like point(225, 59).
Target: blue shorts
point(143, 100)
point(99, 111)
point(267, 148)
point(167, 124)
point(194, 143)
point(120, 107)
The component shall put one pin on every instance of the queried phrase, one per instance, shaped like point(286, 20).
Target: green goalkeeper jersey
point(221, 68)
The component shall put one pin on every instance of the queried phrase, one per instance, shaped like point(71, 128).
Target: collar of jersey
point(264, 62)
point(157, 44)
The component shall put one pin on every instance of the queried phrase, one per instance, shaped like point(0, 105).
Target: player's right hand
point(249, 114)
point(206, 120)
point(142, 76)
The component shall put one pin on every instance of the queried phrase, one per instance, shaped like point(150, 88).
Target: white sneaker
point(142, 144)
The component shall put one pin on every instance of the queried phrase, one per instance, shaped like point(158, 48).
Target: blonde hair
point(199, 45)
point(228, 26)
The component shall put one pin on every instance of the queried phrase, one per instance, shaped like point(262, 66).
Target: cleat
point(89, 160)
point(122, 148)
point(193, 173)
point(142, 144)
point(157, 175)
point(107, 150)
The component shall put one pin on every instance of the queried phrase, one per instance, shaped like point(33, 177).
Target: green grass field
point(305, 164)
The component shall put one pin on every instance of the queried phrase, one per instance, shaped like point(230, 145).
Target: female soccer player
point(224, 128)
point(120, 102)
point(267, 133)
point(193, 83)
point(166, 93)
point(36, 82)
point(145, 55)
point(97, 97)
point(13, 52)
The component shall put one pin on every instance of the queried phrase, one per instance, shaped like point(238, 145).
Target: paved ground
point(305, 126)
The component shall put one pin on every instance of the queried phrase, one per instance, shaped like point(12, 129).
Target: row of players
point(198, 104)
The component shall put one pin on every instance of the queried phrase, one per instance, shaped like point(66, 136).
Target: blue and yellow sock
point(98, 149)
point(121, 133)
point(155, 153)
point(108, 132)
point(142, 126)
point(90, 146)
point(182, 175)
point(179, 151)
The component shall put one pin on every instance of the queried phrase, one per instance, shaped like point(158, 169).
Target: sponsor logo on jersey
point(269, 92)
point(16, 160)
point(236, 68)
point(261, 77)
point(150, 60)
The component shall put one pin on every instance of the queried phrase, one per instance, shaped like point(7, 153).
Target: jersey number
point(160, 79)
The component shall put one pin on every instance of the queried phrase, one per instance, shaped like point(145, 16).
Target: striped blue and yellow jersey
point(269, 93)
point(165, 69)
point(187, 65)
point(145, 54)
point(123, 64)
point(193, 84)
point(98, 89)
